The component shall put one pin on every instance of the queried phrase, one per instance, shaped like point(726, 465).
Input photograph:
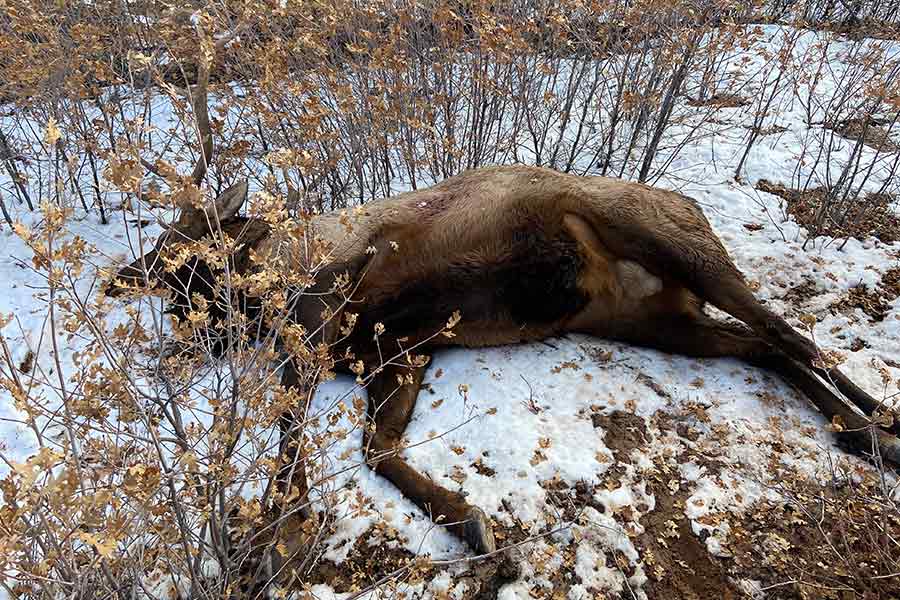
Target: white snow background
point(545, 394)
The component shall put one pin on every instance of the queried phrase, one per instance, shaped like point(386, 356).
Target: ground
point(612, 471)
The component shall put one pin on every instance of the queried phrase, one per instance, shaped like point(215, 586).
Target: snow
point(526, 412)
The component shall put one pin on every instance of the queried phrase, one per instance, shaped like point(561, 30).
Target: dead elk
point(522, 254)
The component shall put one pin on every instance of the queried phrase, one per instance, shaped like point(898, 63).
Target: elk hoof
point(889, 446)
point(478, 533)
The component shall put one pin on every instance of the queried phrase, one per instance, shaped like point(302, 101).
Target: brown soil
point(27, 363)
point(858, 344)
point(858, 218)
point(366, 563)
point(834, 541)
point(862, 29)
point(720, 101)
point(875, 303)
point(484, 580)
point(623, 432)
point(483, 469)
point(801, 293)
point(771, 130)
point(681, 565)
point(868, 301)
point(654, 385)
point(869, 130)
point(369, 562)
point(676, 560)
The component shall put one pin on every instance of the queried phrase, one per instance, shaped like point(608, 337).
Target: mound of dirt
point(855, 217)
point(720, 101)
point(870, 130)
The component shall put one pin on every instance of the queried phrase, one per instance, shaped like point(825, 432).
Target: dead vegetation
point(876, 303)
point(821, 214)
point(339, 104)
point(870, 130)
point(723, 100)
point(836, 539)
point(373, 555)
point(865, 28)
point(801, 293)
point(774, 129)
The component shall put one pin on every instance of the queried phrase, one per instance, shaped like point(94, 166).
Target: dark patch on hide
point(536, 283)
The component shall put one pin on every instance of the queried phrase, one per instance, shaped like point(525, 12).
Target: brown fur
point(527, 253)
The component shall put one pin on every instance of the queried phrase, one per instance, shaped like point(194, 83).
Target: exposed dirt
point(484, 580)
point(681, 565)
point(858, 344)
point(874, 302)
point(801, 293)
point(569, 501)
point(654, 385)
point(890, 282)
point(623, 432)
point(684, 425)
point(859, 29)
point(677, 562)
point(837, 541)
point(366, 563)
point(870, 131)
point(770, 130)
point(720, 101)
point(868, 301)
point(855, 217)
point(483, 469)
point(27, 363)
point(834, 541)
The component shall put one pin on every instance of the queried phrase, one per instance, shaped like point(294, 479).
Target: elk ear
point(229, 202)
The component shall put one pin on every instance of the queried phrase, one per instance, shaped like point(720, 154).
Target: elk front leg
point(290, 529)
point(277, 547)
point(290, 481)
point(392, 398)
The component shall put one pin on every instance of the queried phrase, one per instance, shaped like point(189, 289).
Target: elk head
point(192, 275)
point(149, 270)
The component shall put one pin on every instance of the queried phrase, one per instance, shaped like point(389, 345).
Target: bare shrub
point(157, 439)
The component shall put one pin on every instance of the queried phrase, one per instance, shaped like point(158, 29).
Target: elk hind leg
point(733, 296)
point(686, 249)
point(392, 398)
point(701, 336)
